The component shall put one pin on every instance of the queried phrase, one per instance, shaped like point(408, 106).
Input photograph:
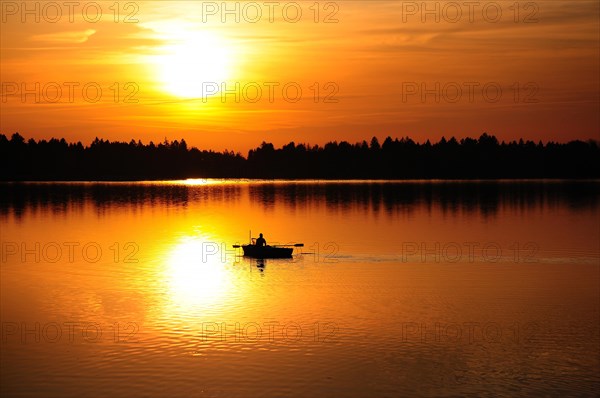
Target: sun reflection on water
point(196, 275)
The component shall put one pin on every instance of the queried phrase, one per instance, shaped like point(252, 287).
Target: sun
point(195, 66)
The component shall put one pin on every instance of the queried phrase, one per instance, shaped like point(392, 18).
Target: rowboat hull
point(267, 251)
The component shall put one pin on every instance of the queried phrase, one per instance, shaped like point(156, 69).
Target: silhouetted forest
point(403, 158)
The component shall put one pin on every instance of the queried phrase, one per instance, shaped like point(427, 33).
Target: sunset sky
point(361, 66)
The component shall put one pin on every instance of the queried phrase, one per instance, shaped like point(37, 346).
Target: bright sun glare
point(196, 278)
point(195, 65)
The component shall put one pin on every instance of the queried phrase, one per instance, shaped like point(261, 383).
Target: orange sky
point(373, 59)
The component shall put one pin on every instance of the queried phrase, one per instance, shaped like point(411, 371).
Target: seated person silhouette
point(261, 241)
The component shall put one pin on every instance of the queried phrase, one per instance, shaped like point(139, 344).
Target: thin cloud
point(65, 37)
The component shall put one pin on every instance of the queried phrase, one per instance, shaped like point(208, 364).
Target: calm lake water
point(401, 289)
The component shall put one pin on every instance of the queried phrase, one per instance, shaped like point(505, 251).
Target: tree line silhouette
point(468, 158)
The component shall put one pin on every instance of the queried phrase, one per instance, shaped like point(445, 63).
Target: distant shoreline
point(239, 181)
point(469, 159)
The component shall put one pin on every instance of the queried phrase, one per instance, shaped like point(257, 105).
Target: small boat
point(267, 251)
point(257, 251)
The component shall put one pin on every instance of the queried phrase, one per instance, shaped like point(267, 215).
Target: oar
point(294, 245)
